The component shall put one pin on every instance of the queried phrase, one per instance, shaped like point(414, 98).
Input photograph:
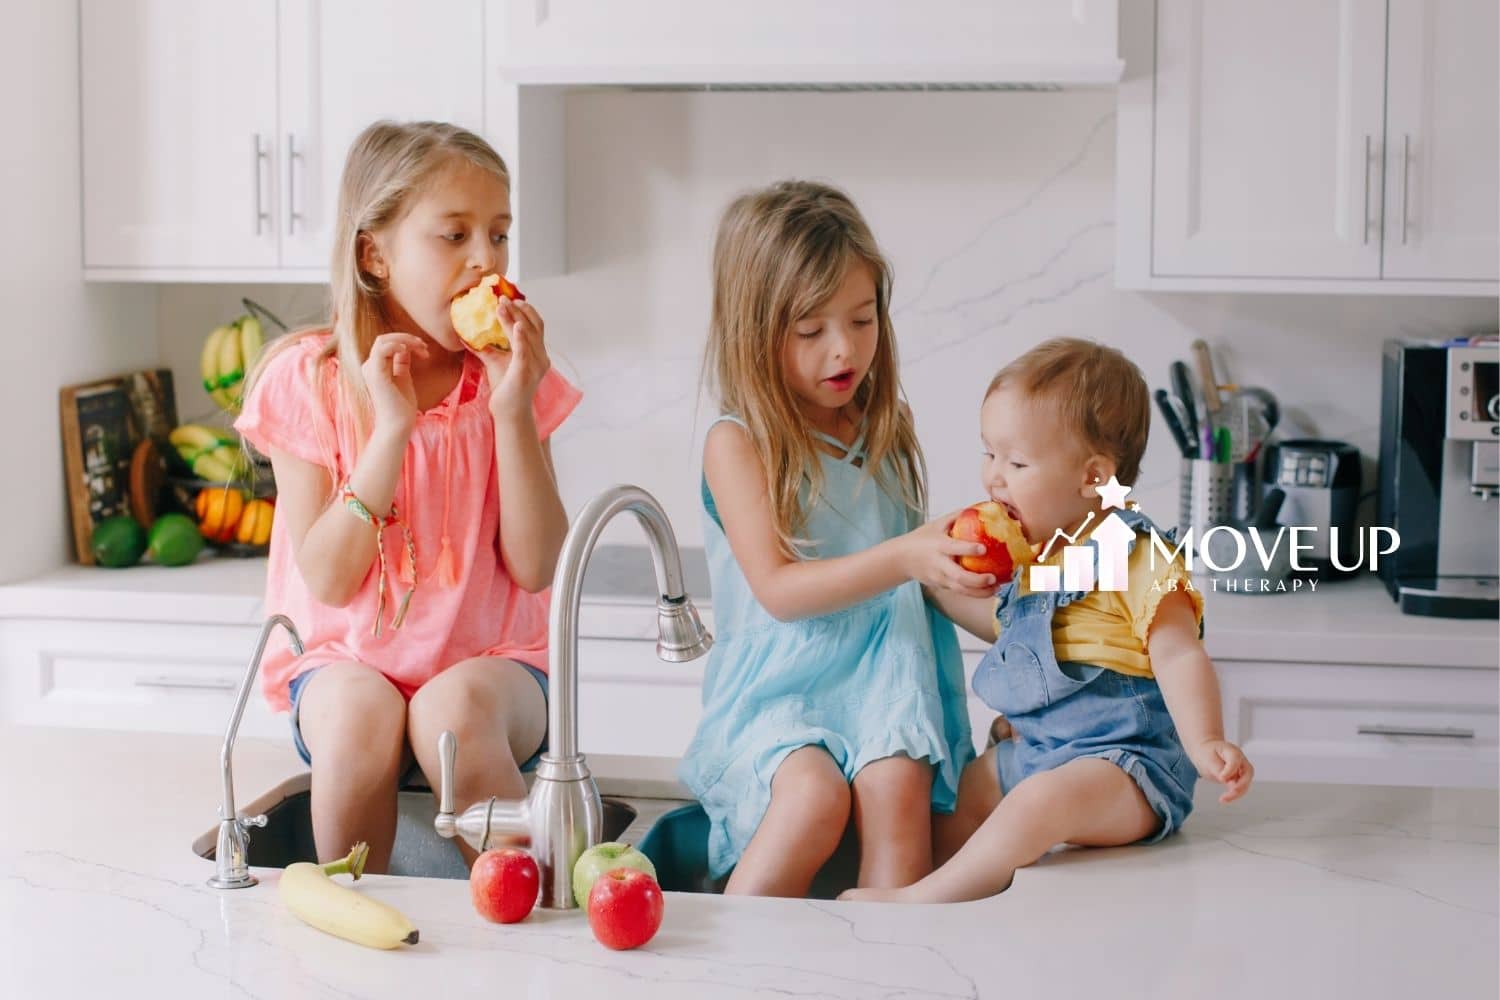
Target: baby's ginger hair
point(387, 163)
point(1097, 392)
point(781, 253)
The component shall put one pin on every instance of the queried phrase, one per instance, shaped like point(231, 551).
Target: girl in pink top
point(418, 520)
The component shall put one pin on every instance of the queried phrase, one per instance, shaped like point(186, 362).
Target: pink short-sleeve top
point(467, 607)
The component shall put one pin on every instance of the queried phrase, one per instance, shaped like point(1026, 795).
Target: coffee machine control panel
point(1474, 393)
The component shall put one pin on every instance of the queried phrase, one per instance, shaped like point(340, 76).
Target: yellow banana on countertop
point(309, 892)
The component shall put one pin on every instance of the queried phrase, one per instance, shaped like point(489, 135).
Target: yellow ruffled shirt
point(1109, 628)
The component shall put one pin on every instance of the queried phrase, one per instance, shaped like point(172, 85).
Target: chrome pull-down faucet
point(562, 816)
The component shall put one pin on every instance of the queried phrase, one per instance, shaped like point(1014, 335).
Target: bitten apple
point(474, 313)
point(503, 884)
point(625, 908)
point(1005, 547)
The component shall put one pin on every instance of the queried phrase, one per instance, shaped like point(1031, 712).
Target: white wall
point(996, 210)
point(60, 330)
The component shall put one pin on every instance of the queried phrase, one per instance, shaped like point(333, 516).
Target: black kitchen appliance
point(1440, 476)
point(1320, 480)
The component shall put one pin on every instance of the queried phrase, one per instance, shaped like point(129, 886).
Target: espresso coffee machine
point(1440, 476)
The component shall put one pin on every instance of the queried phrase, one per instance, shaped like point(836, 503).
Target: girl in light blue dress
point(833, 692)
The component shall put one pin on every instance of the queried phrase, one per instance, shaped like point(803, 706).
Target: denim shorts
point(294, 690)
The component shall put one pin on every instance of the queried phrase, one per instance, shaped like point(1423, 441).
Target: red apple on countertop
point(625, 908)
point(602, 858)
point(504, 883)
point(1005, 546)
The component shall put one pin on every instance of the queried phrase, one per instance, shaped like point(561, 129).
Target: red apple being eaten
point(602, 858)
point(625, 908)
point(504, 883)
point(1005, 547)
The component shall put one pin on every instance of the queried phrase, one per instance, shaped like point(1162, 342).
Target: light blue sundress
point(880, 678)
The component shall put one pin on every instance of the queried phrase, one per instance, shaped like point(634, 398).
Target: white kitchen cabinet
point(780, 42)
point(214, 136)
point(347, 63)
point(177, 678)
point(1442, 140)
point(178, 135)
point(1364, 723)
point(1272, 147)
point(631, 702)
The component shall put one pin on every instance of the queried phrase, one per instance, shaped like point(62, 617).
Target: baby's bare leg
point(801, 828)
point(978, 796)
point(1085, 801)
point(892, 802)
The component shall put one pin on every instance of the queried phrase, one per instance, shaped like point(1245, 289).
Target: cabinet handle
point(261, 215)
point(1444, 732)
point(1405, 177)
point(294, 159)
point(195, 683)
point(1365, 236)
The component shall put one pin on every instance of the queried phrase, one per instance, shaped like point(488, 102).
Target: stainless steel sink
point(673, 833)
point(288, 837)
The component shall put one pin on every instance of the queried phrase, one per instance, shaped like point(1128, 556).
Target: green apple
point(603, 858)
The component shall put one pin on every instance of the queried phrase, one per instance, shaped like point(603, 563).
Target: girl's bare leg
point(892, 807)
point(803, 825)
point(497, 711)
point(353, 721)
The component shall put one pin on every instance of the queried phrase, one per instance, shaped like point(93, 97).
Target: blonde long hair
point(781, 253)
point(387, 163)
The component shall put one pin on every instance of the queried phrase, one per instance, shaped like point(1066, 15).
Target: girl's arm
point(1191, 690)
point(975, 615)
point(791, 588)
point(332, 547)
point(533, 522)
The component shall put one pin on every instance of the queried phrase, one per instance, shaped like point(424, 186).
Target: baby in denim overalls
point(1110, 705)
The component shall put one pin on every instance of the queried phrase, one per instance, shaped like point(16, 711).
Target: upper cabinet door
point(688, 42)
point(1442, 190)
point(1264, 173)
point(178, 134)
point(345, 64)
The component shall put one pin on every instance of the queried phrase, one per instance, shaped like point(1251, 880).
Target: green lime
point(175, 540)
point(118, 541)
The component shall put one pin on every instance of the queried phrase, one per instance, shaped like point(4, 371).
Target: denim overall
point(1063, 711)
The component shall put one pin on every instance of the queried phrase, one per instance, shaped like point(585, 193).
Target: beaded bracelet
point(357, 507)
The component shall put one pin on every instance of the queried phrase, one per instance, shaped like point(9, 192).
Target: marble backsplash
point(996, 211)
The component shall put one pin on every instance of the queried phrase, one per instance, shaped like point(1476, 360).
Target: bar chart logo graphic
point(1080, 570)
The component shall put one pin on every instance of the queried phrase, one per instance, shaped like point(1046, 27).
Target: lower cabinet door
point(630, 702)
point(1428, 726)
point(126, 675)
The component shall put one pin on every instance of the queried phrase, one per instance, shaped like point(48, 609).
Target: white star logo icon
point(1112, 494)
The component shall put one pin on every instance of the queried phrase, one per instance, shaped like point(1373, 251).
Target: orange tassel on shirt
point(405, 569)
point(447, 573)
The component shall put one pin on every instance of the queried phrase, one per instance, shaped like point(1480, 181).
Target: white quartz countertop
point(1347, 621)
point(1297, 891)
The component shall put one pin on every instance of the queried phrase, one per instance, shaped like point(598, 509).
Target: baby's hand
point(928, 556)
point(1222, 761)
